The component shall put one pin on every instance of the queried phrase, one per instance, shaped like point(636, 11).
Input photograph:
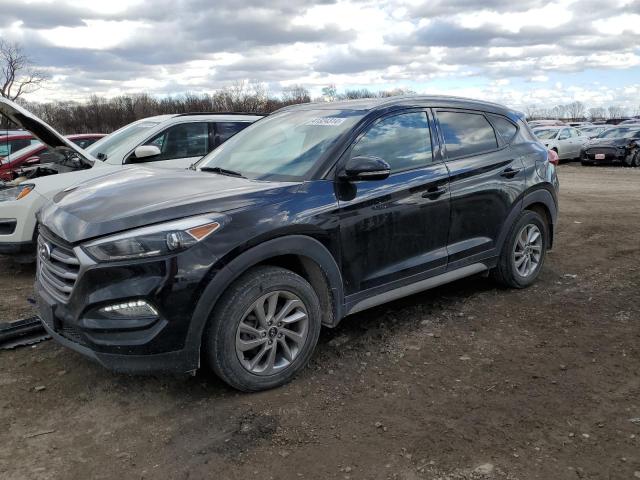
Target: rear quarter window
point(505, 128)
point(466, 133)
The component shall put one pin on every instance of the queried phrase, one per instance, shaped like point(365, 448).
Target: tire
point(636, 159)
point(584, 163)
point(226, 341)
point(507, 272)
point(628, 160)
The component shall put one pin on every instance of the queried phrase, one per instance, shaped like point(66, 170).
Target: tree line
point(104, 115)
point(577, 111)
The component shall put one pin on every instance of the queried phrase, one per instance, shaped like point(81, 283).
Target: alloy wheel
point(527, 251)
point(272, 333)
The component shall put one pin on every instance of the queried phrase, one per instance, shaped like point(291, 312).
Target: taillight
point(553, 157)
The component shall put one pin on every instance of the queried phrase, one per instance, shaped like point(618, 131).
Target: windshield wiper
point(223, 171)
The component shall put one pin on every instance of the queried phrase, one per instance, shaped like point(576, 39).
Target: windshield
point(20, 153)
point(618, 132)
point(283, 146)
point(136, 131)
point(546, 134)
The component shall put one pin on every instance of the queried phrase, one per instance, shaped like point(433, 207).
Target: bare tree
point(295, 94)
point(575, 110)
point(18, 75)
point(616, 112)
point(597, 113)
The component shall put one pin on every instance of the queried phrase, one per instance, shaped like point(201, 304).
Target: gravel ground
point(467, 381)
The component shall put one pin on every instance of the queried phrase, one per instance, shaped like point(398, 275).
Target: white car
point(566, 141)
point(165, 141)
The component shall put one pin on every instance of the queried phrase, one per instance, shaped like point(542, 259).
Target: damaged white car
point(165, 141)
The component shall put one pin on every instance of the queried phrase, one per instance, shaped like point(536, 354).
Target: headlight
point(15, 193)
point(156, 240)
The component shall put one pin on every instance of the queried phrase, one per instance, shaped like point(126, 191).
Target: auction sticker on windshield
point(325, 121)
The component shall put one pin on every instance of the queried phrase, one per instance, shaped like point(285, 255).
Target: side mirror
point(145, 151)
point(366, 168)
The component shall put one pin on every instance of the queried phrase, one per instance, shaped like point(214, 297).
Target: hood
point(139, 196)
point(44, 132)
point(608, 142)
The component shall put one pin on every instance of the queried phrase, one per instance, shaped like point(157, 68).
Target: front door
point(395, 228)
point(180, 145)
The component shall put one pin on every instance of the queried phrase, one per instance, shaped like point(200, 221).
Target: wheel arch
point(302, 254)
point(539, 200)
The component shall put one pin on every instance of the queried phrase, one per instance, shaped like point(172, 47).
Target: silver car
point(566, 141)
point(594, 131)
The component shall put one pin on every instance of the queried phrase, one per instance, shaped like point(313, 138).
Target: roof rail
point(220, 113)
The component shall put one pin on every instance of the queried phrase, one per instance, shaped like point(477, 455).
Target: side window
point(49, 155)
point(16, 145)
point(575, 132)
point(504, 127)
point(226, 130)
point(184, 140)
point(564, 134)
point(403, 141)
point(466, 133)
point(85, 142)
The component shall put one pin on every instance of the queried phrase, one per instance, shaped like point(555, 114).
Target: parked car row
point(595, 144)
point(167, 141)
point(313, 213)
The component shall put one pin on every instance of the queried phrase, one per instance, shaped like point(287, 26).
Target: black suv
point(311, 214)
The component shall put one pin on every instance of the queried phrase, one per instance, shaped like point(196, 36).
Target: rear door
point(486, 178)
point(395, 228)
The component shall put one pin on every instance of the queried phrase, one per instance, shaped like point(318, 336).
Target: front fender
point(300, 245)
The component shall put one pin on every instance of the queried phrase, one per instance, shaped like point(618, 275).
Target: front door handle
point(510, 172)
point(435, 192)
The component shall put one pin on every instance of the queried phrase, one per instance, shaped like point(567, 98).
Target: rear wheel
point(263, 330)
point(524, 251)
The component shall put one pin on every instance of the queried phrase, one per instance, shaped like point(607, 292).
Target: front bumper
point(611, 155)
point(180, 361)
point(13, 248)
point(131, 345)
point(19, 223)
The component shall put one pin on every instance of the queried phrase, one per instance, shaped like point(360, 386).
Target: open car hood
point(44, 132)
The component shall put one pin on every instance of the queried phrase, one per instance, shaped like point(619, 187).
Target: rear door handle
point(435, 192)
point(510, 172)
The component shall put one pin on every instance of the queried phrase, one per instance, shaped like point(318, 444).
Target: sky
point(515, 52)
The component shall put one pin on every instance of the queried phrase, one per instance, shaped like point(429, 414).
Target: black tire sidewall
point(229, 311)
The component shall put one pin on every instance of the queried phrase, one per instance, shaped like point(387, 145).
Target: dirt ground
point(467, 381)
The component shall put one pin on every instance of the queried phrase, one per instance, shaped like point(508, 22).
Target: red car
point(12, 141)
point(33, 154)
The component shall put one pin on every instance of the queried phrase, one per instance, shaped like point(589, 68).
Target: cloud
point(172, 46)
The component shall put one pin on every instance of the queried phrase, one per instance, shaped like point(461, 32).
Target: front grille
point(608, 152)
point(58, 267)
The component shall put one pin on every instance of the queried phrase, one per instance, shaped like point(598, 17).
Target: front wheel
point(523, 252)
point(263, 330)
point(636, 159)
